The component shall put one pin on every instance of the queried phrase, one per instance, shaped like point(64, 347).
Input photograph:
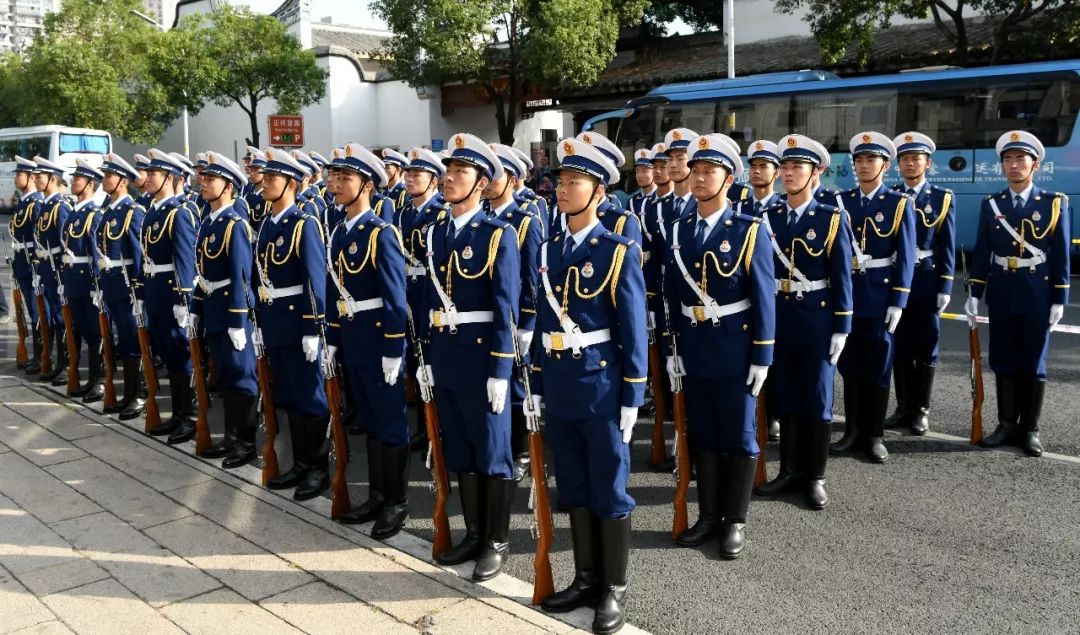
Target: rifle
point(658, 453)
point(440, 481)
point(108, 362)
point(270, 426)
point(761, 475)
point(153, 415)
point(976, 365)
point(46, 331)
point(682, 445)
point(198, 380)
point(543, 527)
point(69, 336)
point(339, 447)
point(21, 354)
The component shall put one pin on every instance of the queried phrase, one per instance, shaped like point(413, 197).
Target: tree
point(702, 15)
point(504, 46)
point(95, 65)
point(248, 59)
point(837, 24)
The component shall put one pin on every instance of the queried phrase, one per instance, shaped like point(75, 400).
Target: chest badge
point(811, 234)
point(156, 225)
point(928, 209)
point(352, 249)
point(280, 241)
point(113, 222)
point(725, 247)
point(1036, 217)
point(879, 218)
point(212, 239)
point(587, 270)
point(467, 252)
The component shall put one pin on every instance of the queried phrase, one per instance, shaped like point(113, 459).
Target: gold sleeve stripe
point(842, 313)
point(901, 289)
point(496, 354)
point(635, 380)
point(393, 335)
point(763, 342)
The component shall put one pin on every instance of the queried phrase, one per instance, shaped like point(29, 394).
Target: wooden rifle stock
point(441, 481)
point(976, 386)
point(21, 354)
point(761, 475)
point(153, 415)
point(270, 426)
point(202, 423)
point(658, 453)
point(544, 585)
point(682, 462)
point(72, 350)
point(46, 336)
point(108, 362)
point(339, 487)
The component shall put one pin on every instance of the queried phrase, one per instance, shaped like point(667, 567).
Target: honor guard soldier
point(525, 196)
point(120, 254)
point(223, 302)
point(395, 163)
point(721, 293)
point(290, 262)
point(80, 273)
point(608, 148)
point(248, 187)
point(422, 177)
point(257, 206)
point(49, 236)
point(473, 298)
point(142, 164)
point(935, 262)
point(529, 234)
point(200, 203)
point(319, 182)
point(308, 198)
point(168, 241)
point(811, 244)
point(643, 175)
point(677, 142)
point(184, 187)
point(882, 265)
point(592, 369)
point(22, 226)
point(1021, 268)
point(610, 212)
point(367, 313)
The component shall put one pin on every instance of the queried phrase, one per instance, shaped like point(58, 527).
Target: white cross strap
point(449, 315)
point(1038, 256)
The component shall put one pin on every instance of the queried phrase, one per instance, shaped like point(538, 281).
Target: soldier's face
point(110, 183)
point(707, 179)
point(22, 179)
point(868, 167)
point(349, 185)
point(677, 168)
point(418, 181)
point(496, 188)
point(154, 180)
point(78, 184)
point(274, 185)
point(795, 174)
point(762, 172)
point(392, 171)
point(140, 181)
point(211, 187)
point(913, 165)
point(643, 174)
point(332, 182)
point(41, 181)
point(1018, 165)
point(461, 179)
point(575, 191)
point(661, 175)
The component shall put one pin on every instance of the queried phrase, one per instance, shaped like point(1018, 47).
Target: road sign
point(286, 130)
point(437, 145)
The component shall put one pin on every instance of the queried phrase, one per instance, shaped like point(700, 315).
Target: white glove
point(627, 419)
point(96, 297)
point(525, 339)
point(180, 312)
point(1057, 311)
point(756, 378)
point(971, 310)
point(892, 317)
point(650, 320)
point(426, 381)
point(239, 338)
point(331, 351)
point(531, 409)
point(194, 320)
point(496, 394)
point(942, 302)
point(391, 368)
point(836, 346)
point(675, 368)
point(138, 308)
point(36, 281)
point(310, 345)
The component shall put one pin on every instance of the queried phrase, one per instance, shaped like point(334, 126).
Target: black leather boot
point(300, 465)
point(790, 477)
point(472, 507)
point(708, 490)
point(585, 589)
point(243, 410)
point(222, 448)
point(519, 442)
point(815, 447)
point(132, 405)
point(1008, 413)
point(183, 415)
point(852, 414)
point(876, 405)
point(1030, 412)
point(370, 509)
point(178, 389)
point(904, 380)
point(317, 479)
point(922, 388)
point(774, 429)
point(33, 365)
point(93, 374)
point(614, 554)
point(737, 481)
point(58, 376)
point(395, 479)
point(496, 544)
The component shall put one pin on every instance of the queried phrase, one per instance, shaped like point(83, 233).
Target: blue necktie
point(568, 248)
point(865, 202)
point(911, 192)
point(792, 218)
point(678, 207)
point(451, 229)
point(702, 233)
point(1018, 202)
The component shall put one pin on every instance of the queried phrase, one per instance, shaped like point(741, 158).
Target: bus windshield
point(84, 143)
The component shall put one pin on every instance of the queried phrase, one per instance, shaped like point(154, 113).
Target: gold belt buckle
point(342, 307)
point(785, 286)
point(854, 263)
point(1013, 263)
point(699, 314)
point(436, 318)
point(103, 263)
point(557, 342)
point(264, 294)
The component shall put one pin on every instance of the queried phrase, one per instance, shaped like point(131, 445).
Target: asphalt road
point(944, 537)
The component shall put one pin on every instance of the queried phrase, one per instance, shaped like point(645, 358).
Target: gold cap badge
point(568, 148)
point(703, 143)
point(459, 142)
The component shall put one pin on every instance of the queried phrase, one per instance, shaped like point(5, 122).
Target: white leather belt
point(865, 263)
point(20, 247)
point(358, 306)
point(415, 272)
point(443, 318)
point(108, 263)
point(77, 260)
point(700, 313)
point(210, 287)
point(154, 269)
point(560, 341)
point(923, 254)
point(795, 286)
point(1012, 263)
point(275, 293)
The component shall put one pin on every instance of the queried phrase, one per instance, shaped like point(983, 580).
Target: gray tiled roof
point(363, 43)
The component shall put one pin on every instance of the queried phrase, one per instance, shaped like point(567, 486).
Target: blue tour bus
point(964, 110)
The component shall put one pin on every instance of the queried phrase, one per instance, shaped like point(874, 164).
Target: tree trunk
point(505, 116)
point(253, 119)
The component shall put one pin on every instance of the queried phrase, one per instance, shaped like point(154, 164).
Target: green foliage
point(504, 45)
